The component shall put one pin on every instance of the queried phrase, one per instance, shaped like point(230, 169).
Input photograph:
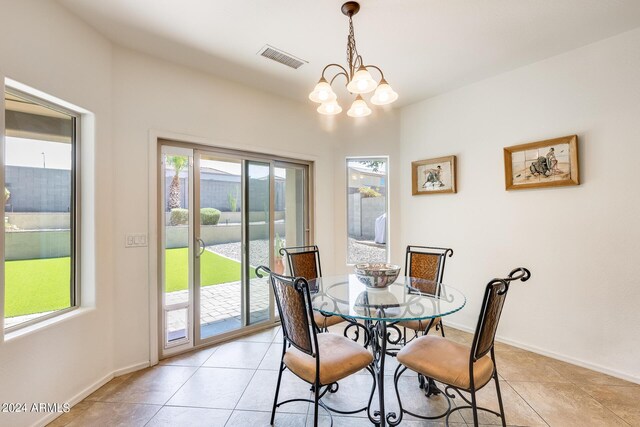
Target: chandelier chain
point(352, 51)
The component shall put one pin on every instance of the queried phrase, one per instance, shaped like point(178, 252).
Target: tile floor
point(233, 384)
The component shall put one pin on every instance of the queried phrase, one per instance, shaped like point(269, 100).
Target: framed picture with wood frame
point(549, 163)
point(433, 176)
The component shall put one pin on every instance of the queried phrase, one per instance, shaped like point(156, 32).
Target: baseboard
point(131, 368)
point(554, 355)
point(79, 397)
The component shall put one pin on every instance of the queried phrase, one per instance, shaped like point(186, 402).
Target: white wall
point(581, 243)
point(376, 135)
point(43, 46)
point(151, 94)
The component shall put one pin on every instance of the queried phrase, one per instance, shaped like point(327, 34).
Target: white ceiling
point(425, 47)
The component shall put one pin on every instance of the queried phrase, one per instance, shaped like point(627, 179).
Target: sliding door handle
point(202, 247)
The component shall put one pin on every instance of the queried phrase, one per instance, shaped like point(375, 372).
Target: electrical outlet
point(135, 240)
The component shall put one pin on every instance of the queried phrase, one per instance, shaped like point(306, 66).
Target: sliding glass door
point(219, 238)
point(223, 214)
point(177, 249)
point(259, 220)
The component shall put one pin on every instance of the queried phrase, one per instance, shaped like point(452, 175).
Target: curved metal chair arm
point(263, 268)
point(520, 273)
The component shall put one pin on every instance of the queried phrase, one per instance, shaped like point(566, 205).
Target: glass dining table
point(373, 315)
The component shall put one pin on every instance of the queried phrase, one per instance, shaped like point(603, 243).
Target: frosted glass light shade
point(384, 94)
point(362, 82)
point(359, 108)
point(322, 92)
point(329, 108)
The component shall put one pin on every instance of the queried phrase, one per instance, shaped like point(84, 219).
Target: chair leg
point(441, 328)
point(275, 399)
point(315, 405)
point(495, 377)
point(474, 407)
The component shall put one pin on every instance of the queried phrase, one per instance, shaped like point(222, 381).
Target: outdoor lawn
point(215, 269)
point(39, 285)
point(35, 286)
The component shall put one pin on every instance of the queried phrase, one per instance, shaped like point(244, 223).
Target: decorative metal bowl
point(377, 275)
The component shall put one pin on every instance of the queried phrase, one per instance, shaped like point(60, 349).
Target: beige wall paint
point(43, 46)
point(376, 135)
point(154, 95)
point(581, 243)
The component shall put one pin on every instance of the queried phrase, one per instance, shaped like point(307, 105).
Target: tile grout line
point(215, 347)
point(527, 402)
point(251, 379)
point(601, 403)
point(174, 393)
point(573, 384)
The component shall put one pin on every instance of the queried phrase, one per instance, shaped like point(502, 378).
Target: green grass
point(36, 285)
point(215, 269)
point(39, 285)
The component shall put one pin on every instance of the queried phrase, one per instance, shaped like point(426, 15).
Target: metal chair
point(304, 261)
point(427, 263)
point(319, 359)
point(457, 366)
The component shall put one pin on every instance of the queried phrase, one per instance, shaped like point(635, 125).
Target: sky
point(28, 152)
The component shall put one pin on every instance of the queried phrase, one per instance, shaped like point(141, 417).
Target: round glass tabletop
point(408, 298)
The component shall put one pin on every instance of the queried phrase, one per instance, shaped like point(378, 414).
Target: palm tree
point(178, 163)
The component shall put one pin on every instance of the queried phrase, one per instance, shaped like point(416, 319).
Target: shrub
point(209, 216)
point(368, 192)
point(179, 216)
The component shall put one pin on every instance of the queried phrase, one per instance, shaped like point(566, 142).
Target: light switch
point(135, 240)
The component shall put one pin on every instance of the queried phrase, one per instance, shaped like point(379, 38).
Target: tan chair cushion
point(419, 325)
point(445, 361)
point(325, 321)
point(339, 358)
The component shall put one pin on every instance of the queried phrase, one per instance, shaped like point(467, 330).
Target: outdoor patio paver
point(220, 302)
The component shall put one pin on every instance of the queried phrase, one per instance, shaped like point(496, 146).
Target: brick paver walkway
point(219, 302)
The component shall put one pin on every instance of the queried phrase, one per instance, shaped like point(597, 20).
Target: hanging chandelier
point(359, 80)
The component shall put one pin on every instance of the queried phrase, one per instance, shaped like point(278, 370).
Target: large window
point(367, 195)
point(39, 209)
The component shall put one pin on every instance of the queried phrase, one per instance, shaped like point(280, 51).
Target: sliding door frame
point(187, 343)
point(156, 248)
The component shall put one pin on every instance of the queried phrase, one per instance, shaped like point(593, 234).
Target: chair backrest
point(294, 306)
point(304, 261)
point(494, 297)
point(427, 263)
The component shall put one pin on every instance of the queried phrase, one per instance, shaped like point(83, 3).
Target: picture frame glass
point(434, 177)
point(541, 165)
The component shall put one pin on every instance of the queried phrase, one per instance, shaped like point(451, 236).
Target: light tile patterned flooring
point(233, 384)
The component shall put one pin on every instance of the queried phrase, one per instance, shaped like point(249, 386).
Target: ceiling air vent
point(282, 57)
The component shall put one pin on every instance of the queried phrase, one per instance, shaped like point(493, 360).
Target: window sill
point(46, 323)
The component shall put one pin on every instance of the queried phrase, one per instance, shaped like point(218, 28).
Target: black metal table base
point(378, 338)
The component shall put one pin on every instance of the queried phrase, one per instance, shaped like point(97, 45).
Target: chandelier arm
point(358, 61)
point(342, 73)
point(377, 68)
point(334, 65)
